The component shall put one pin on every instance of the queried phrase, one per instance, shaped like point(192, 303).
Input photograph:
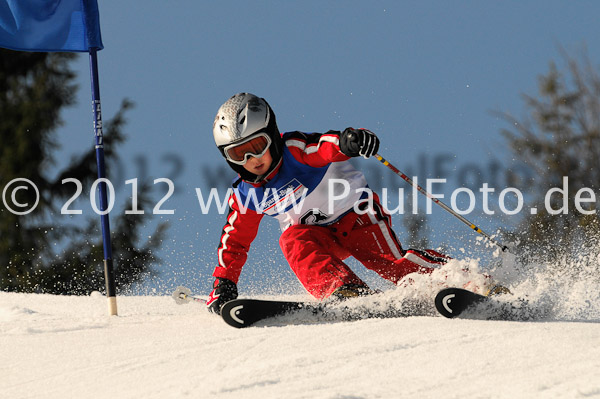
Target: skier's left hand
point(358, 142)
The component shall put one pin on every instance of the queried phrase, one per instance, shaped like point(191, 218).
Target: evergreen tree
point(34, 88)
point(560, 136)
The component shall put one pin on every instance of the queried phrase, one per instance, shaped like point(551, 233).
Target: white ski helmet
point(240, 119)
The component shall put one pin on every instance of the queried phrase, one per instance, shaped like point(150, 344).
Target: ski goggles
point(254, 146)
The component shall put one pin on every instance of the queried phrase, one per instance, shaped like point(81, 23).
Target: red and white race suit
point(318, 234)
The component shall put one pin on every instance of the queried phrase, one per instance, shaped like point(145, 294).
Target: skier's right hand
point(223, 291)
point(358, 142)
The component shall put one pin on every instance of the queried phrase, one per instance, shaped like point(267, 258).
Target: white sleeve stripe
point(330, 138)
point(231, 220)
point(296, 143)
point(312, 148)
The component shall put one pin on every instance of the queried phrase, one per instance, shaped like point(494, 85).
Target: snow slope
point(63, 347)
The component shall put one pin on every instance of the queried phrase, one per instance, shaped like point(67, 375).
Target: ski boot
point(497, 289)
point(347, 291)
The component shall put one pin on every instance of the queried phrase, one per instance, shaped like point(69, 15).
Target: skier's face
point(259, 166)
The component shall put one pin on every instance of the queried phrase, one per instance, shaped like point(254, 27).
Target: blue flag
point(50, 25)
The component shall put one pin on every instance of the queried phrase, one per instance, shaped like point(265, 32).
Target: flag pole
point(109, 274)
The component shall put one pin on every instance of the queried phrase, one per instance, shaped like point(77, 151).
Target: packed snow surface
point(63, 346)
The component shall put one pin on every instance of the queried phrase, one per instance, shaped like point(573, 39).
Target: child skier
point(274, 172)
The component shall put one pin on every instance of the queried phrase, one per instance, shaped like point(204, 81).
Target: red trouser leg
point(370, 239)
point(315, 253)
point(315, 256)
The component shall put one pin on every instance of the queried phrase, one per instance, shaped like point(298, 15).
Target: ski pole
point(440, 203)
point(184, 295)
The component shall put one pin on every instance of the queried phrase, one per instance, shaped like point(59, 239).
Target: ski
point(452, 302)
point(458, 302)
point(243, 313)
point(449, 302)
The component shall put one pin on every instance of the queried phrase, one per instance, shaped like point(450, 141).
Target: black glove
point(223, 291)
point(358, 142)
